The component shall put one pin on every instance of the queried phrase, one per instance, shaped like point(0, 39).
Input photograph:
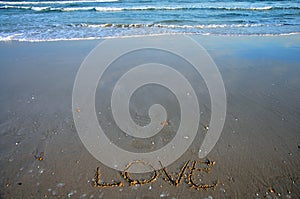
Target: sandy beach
point(257, 155)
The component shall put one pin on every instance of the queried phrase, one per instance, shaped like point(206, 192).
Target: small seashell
point(61, 184)
point(272, 190)
point(165, 123)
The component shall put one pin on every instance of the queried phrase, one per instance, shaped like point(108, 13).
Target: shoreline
point(152, 35)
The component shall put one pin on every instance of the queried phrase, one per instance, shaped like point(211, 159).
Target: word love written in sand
point(188, 170)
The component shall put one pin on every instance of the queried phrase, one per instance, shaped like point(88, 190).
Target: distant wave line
point(53, 2)
point(140, 8)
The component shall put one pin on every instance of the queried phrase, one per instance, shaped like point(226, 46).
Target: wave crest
point(141, 8)
point(53, 2)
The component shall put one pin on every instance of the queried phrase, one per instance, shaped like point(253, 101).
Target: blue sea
point(94, 19)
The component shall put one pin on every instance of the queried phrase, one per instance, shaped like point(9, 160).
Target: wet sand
point(257, 155)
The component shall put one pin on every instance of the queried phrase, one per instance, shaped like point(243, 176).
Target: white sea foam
point(9, 37)
point(262, 8)
point(56, 39)
point(105, 9)
point(75, 9)
point(250, 8)
point(13, 38)
point(170, 26)
point(16, 5)
point(40, 8)
point(54, 2)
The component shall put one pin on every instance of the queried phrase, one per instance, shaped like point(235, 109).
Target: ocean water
point(92, 19)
